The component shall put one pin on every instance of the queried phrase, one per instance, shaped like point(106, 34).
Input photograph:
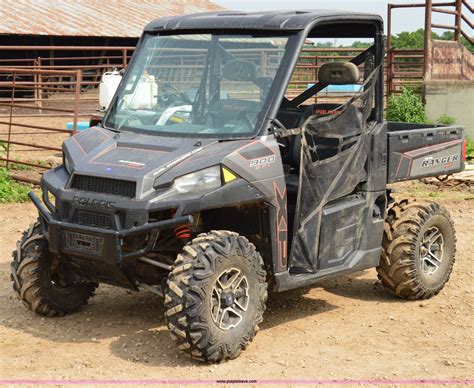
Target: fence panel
point(32, 129)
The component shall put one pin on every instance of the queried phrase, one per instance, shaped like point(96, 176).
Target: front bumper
point(101, 248)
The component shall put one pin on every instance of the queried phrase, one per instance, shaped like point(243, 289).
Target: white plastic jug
point(108, 85)
point(144, 95)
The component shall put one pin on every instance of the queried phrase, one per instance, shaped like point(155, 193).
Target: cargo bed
point(421, 150)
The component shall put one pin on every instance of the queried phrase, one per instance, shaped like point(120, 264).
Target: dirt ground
point(346, 328)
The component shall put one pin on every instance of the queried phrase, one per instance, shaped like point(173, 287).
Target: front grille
point(104, 185)
point(66, 210)
point(98, 220)
point(84, 242)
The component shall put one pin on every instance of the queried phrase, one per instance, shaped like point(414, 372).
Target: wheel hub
point(431, 250)
point(229, 298)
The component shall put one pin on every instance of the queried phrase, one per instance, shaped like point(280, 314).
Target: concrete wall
point(454, 98)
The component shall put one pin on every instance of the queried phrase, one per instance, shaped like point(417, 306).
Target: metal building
point(80, 23)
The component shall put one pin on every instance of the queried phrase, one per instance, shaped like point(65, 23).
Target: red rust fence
point(26, 138)
point(402, 68)
point(458, 8)
point(64, 58)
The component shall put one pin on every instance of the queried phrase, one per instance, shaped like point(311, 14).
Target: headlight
point(198, 182)
point(67, 164)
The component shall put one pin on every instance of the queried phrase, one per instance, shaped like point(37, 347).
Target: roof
point(272, 20)
point(119, 18)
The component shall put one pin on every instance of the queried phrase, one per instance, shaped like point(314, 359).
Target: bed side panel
point(415, 153)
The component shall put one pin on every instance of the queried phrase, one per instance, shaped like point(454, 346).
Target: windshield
point(197, 84)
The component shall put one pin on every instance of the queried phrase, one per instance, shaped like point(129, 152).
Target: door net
point(333, 163)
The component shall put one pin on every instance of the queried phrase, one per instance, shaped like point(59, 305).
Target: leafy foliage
point(11, 191)
point(409, 39)
point(415, 39)
point(403, 40)
point(470, 150)
point(406, 107)
point(449, 35)
point(444, 119)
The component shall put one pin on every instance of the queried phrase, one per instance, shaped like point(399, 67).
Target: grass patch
point(470, 150)
point(19, 167)
point(10, 190)
point(444, 119)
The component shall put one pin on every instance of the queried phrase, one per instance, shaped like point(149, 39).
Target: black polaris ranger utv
point(204, 182)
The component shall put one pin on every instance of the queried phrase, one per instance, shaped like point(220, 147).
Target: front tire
point(39, 282)
point(419, 247)
point(216, 296)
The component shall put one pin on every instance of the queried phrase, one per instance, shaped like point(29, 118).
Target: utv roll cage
point(301, 25)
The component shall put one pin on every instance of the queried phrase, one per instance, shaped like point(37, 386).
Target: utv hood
point(130, 156)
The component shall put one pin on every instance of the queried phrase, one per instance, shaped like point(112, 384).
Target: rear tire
point(35, 272)
point(216, 296)
point(419, 247)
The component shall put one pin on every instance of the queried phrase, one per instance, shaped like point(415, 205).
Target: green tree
point(416, 39)
point(324, 45)
point(449, 35)
point(359, 44)
point(409, 39)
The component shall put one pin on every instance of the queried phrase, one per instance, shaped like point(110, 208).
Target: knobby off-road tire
point(217, 277)
point(419, 247)
point(36, 282)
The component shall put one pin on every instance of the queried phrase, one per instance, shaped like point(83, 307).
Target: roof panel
point(272, 20)
point(120, 18)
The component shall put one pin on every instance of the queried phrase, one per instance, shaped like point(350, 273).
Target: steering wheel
point(170, 99)
point(173, 98)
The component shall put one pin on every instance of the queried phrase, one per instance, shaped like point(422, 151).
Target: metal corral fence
point(41, 96)
point(460, 9)
point(403, 68)
point(71, 58)
point(29, 127)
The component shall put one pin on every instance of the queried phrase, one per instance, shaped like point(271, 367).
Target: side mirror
point(339, 73)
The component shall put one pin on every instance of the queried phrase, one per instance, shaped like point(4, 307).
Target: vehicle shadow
point(156, 347)
point(135, 320)
point(359, 286)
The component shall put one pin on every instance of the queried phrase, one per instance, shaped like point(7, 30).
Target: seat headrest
point(339, 73)
point(239, 70)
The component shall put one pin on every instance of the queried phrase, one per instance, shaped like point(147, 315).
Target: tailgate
point(419, 150)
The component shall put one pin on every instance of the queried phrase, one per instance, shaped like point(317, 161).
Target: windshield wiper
point(111, 129)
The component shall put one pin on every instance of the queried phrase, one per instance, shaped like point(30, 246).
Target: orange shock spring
point(183, 232)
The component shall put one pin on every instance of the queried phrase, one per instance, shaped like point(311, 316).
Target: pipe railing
point(12, 138)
